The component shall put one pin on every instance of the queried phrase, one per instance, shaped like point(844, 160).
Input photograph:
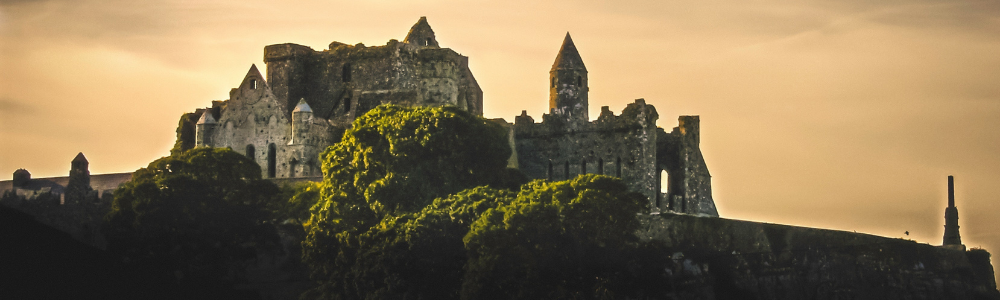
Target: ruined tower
point(951, 235)
point(79, 179)
point(421, 34)
point(568, 84)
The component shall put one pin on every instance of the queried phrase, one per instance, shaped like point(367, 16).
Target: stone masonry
point(310, 97)
point(630, 146)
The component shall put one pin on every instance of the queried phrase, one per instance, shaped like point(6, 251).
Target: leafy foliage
point(378, 230)
point(302, 196)
point(559, 240)
point(192, 213)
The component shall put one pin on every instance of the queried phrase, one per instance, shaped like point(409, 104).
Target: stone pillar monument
point(951, 235)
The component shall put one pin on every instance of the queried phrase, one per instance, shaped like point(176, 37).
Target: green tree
point(301, 196)
point(192, 214)
point(571, 239)
point(378, 192)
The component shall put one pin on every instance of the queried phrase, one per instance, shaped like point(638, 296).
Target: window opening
point(347, 104)
point(579, 81)
point(346, 73)
point(253, 84)
point(618, 168)
point(271, 160)
point(251, 153)
point(549, 174)
point(566, 170)
point(583, 167)
point(600, 166)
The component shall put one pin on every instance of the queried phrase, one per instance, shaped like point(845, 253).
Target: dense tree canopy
point(380, 184)
point(192, 213)
point(417, 203)
point(571, 239)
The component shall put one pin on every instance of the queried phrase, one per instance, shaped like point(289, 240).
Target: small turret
point(568, 84)
point(951, 235)
point(421, 34)
point(21, 178)
point(204, 129)
point(301, 116)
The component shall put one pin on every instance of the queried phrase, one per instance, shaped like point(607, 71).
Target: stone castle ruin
point(309, 98)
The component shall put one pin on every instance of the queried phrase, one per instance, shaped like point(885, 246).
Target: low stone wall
point(717, 258)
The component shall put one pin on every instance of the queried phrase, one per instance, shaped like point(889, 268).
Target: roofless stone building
point(309, 98)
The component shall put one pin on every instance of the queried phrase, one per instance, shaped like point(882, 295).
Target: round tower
point(568, 84)
point(301, 116)
point(204, 128)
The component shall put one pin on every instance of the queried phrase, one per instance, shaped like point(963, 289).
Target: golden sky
point(836, 114)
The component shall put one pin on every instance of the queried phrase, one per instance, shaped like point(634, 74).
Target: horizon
point(845, 116)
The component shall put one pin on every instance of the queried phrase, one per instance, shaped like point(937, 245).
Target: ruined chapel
point(308, 98)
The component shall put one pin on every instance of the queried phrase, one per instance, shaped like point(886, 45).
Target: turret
point(79, 179)
point(951, 235)
point(301, 116)
point(204, 129)
point(568, 84)
point(421, 34)
point(21, 178)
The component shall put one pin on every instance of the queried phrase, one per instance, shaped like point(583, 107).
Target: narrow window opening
point(549, 173)
point(346, 73)
point(253, 84)
point(579, 80)
point(427, 42)
point(251, 153)
point(600, 166)
point(583, 167)
point(272, 160)
point(552, 81)
point(292, 165)
point(664, 182)
point(347, 104)
point(566, 170)
point(618, 168)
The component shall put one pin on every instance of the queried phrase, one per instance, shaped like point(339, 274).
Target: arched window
point(618, 168)
point(345, 73)
point(664, 182)
point(251, 153)
point(272, 160)
point(600, 166)
point(291, 168)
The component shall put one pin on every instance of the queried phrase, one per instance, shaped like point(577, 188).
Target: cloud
point(11, 107)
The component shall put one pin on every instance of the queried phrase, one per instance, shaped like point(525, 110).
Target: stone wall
point(715, 258)
point(621, 146)
point(345, 81)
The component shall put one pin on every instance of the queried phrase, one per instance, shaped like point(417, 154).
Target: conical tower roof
point(421, 34)
point(568, 57)
point(302, 106)
point(206, 118)
point(80, 158)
